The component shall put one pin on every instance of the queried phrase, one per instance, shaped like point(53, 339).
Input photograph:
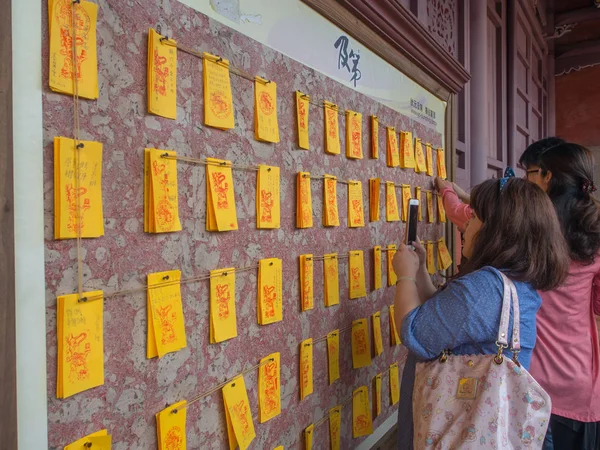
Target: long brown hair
point(520, 234)
point(572, 168)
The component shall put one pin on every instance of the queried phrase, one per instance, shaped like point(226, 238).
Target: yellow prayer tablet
point(356, 215)
point(441, 163)
point(171, 427)
point(268, 197)
point(161, 199)
point(421, 165)
point(418, 197)
point(377, 333)
point(391, 203)
point(406, 196)
point(269, 387)
point(221, 210)
point(78, 206)
point(331, 276)
point(361, 344)
point(407, 152)
point(63, 75)
point(354, 135)
point(374, 137)
point(394, 384)
point(223, 322)
point(429, 197)
point(237, 412)
point(270, 304)
point(377, 267)
point(265, 110)
point(395, 337)
point(309, 431)
point(333, 355)
point(361, 413)
point(162, 75)
point(218, 102)
point(80, 336)
point(377, 394)
point(391, 275)
point(429, 159)
point(332, 130)
point(306, 282)
point(374, 199)
point(302, 103)
point(331, 216)
point(304, 210)
point(335, 427)
point(444, 258)
point(166, 312)
point(441, 210)
point(430, 258)
point(393, 154)
point(357, 274)
point(98, 440)
point(306, 368)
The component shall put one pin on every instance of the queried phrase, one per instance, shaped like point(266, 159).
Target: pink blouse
point(458, 212)
point(566, 357)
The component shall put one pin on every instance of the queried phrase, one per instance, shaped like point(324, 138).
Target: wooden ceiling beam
point(577, 16)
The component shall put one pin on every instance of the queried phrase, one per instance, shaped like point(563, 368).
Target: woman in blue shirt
point(514, 229)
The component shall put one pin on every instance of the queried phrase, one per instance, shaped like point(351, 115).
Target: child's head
point(566, 172)
point(515, 228)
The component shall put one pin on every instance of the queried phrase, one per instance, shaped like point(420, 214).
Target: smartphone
point(411, 226)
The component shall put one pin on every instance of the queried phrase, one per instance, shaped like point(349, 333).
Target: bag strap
point(510, 293)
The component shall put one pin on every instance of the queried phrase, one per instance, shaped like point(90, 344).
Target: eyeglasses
point(533, 171)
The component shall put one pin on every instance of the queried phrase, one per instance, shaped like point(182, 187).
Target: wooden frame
point(391, 31)
point(8, 354)
point(395, 34)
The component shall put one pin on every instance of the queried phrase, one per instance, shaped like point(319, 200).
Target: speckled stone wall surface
point(442, 23)
point(136, 388)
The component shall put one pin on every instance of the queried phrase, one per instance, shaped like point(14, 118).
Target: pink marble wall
point(442, 23)
point(136, 388)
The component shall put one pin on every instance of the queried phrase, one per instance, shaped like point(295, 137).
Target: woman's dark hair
point(572, 168)
point(520, 234)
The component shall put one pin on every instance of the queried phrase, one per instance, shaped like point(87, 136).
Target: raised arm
point(467, 311)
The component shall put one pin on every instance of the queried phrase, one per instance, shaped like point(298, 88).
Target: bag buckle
point(499, 358)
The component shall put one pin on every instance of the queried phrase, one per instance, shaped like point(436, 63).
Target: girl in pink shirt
point(566, 358)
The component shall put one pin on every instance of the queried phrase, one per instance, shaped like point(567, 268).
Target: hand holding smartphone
point(411, 226)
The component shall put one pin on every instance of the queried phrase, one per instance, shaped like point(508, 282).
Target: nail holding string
point(307, 345)
point(268, 169)
point(219, 59)
point(80, 145)
point(166, 277)
point(83, 300)
point(271, 263)
point(232, 384)
point(87, 444)
point(164, 155)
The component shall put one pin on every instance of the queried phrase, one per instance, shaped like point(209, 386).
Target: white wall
point(29, 224)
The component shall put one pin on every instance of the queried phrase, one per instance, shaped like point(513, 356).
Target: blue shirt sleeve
point(466, 312)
